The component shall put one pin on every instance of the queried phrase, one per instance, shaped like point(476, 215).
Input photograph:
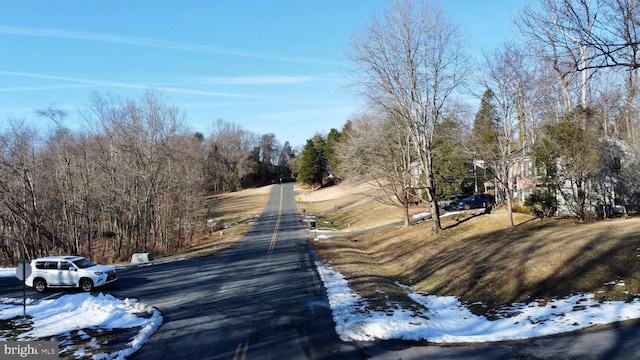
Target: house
point(612, 190)
point(523, 176)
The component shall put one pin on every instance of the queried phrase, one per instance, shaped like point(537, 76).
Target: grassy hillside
point(476, 257)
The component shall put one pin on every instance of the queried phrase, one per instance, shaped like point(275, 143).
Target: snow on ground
point(442, 319)
point(58, 318)
point(445, 320)
point(7, 272)
point(79, 317)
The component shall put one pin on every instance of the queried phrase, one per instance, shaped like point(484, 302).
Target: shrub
point(542, 203)
point(522, 209)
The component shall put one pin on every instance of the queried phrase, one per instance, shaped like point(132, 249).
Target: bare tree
point(24, 233)
point(614, 40)
point(54, 113)
point(501, 74)
point(141, 164)
point(625, 19)
point(576, 21)
point(581, 37)
point(559, 31)
point(377, 151)
point(409, 61)
point(227, 160)
point(133, 182)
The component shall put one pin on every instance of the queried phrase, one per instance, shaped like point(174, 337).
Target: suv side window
point(41, 265)
point(51, 265)
point(65, 265)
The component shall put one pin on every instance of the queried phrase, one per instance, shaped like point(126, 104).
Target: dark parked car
point(477, 201)
point(451, 203)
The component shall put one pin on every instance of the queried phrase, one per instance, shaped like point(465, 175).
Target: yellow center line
point(275, 230)
point(243, 349)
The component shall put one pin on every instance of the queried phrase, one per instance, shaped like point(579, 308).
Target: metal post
point(24, 288)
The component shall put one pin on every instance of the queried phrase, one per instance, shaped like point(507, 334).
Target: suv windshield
point(84, 263)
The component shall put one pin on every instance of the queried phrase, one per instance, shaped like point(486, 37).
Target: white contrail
point(255, 80)
point(146, 42)
point(91, 82)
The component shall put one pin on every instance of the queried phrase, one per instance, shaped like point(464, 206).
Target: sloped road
point(261, 300)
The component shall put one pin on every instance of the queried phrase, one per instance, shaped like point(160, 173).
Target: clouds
point(153, 43)
point(75, 82)
point(253, 65)
point(82, 82)
point(257, 80)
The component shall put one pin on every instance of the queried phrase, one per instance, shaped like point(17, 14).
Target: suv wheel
point(40, 285)
point(86, 285)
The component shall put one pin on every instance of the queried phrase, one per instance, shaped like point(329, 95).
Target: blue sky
point(270, 66)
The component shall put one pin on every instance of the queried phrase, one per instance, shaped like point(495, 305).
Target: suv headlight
point(99, 273)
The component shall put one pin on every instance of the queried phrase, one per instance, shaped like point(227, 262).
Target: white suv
point(68, 271)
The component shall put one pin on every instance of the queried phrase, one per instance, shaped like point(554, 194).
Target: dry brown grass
point(479, 259)
point(238, 206)
point(346, 207)
point(239, 209)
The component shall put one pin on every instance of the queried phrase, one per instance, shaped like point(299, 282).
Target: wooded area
point(134, 181)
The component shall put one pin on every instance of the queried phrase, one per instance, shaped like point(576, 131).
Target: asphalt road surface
point(260, 300)
point(264, 300)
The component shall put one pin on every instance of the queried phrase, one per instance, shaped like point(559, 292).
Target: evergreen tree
point(451, 163)
point(254, 175)
point(485, 142)
point(333, 139)
point(312, 162)
point(486, 124)
point(285, 161)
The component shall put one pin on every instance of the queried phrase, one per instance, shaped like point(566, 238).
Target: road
point(260, 300)
point(264, 300)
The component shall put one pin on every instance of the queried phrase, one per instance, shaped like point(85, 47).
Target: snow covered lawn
point(443, 319)
point(83, 324)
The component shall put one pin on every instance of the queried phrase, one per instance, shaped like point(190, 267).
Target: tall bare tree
point(409, 61)
point(501, 74)
point(227, 158)
point(579, 38)
point(559, 30)
point(377, 151)
point(144, 172)
point(23, 228)
point(624, 15)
